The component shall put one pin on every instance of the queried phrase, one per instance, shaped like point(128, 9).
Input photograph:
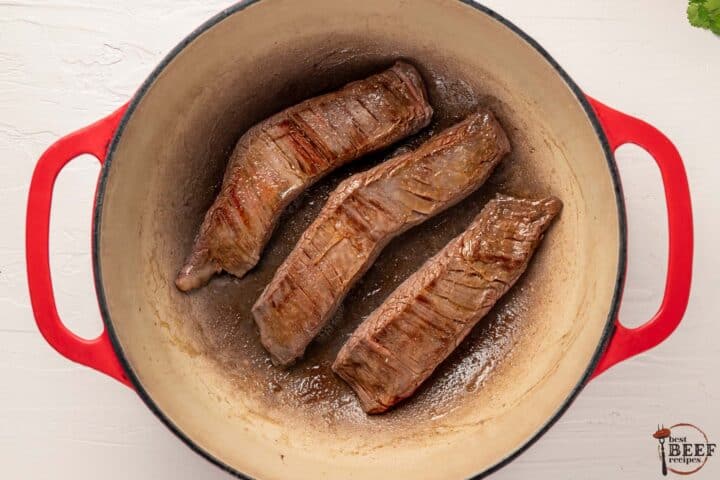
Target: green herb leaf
point(704, 14)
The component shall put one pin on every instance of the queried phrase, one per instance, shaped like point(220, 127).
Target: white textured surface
point(65, 63)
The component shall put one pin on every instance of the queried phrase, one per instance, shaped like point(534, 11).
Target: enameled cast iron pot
point(195, 359)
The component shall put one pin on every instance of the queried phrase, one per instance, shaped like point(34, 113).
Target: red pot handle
point(627, 342)
point(97, 353)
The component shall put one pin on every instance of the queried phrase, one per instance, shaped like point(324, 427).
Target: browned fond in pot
point(280, 157)
point(221, 325)
point(361, 217)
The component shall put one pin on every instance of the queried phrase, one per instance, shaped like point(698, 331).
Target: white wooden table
point(65, 63)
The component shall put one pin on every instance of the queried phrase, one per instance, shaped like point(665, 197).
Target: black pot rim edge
point(100, 195)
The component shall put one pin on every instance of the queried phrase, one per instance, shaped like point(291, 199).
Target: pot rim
point(608, 330)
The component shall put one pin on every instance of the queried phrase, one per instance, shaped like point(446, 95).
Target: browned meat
point(279, 158)
point(361, 216)
point(400, 344)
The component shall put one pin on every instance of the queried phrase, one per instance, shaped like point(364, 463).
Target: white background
point(66, 63)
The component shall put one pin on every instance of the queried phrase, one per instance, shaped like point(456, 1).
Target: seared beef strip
point(280, 157)
point(361, 216)
point(400, 344)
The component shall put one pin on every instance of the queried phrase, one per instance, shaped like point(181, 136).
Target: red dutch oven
point(195, 359)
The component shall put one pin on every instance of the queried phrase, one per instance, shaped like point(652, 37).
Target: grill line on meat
point(277, 159)
point(402, 342)
point(361, 216)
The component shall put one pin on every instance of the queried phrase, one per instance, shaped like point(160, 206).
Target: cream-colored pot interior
point(198, 357)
